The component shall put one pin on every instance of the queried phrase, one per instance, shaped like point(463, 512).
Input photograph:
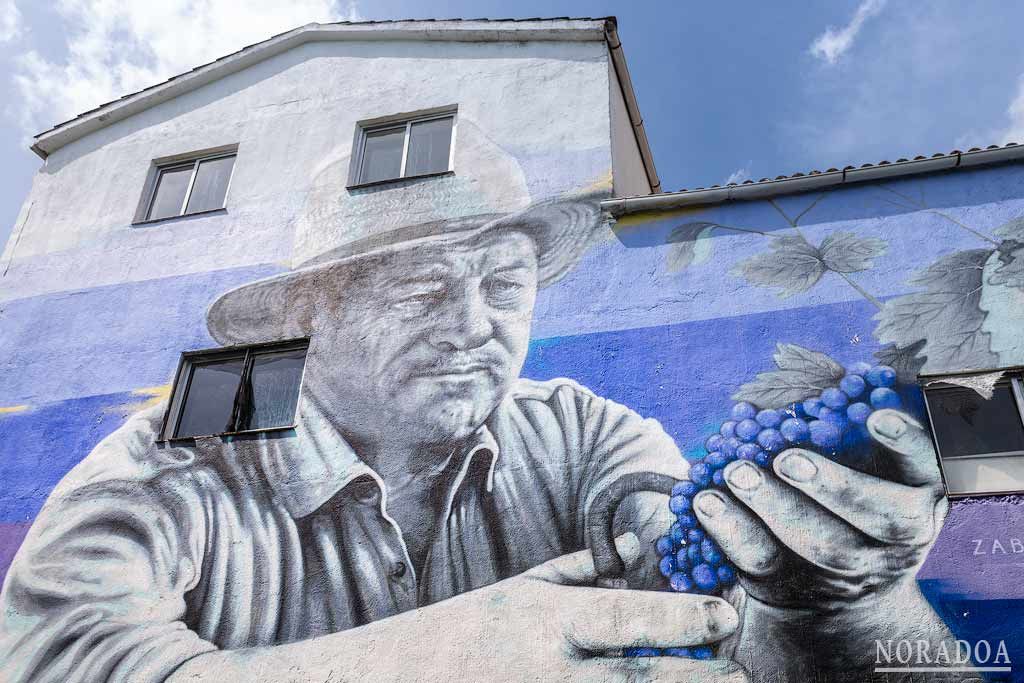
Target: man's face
point(430, 339)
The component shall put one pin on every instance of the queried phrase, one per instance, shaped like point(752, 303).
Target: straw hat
point(279, 307)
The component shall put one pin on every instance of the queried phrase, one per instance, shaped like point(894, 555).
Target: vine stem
point(746, 230)
point(877, 304)
point(860, 290)
point(919, 204)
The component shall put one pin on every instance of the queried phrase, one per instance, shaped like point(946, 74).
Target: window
point(404, 148)
point(192, 186)
point(236, 390)
point(980, 441)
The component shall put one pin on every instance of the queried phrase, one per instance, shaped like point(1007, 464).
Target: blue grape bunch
point(833, 423)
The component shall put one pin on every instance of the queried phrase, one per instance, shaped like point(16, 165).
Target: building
point(235, 300)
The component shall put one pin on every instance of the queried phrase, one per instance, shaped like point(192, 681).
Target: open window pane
point(429, 147)
point(965, 423)
point(382, 155)
point(171, 186)
point(275, 384)
point(211, 184)
point(211, 397)
point(984, 475)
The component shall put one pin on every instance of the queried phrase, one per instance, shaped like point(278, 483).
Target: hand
point(548, 624)
point(828, 554)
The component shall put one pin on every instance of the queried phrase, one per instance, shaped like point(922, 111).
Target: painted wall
point(469, 402)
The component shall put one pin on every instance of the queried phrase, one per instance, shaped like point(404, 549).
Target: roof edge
point(815, 180)
point(472, 30)
point(632, 106)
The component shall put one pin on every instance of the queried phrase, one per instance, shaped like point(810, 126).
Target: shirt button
point(398, 570)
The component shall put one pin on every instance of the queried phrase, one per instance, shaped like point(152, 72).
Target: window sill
point(395, 181)
point(177, 440)
point(154, 221)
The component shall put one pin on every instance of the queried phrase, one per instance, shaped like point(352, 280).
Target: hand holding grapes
point(827, 554)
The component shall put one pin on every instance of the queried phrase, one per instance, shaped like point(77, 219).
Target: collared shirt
point(146, 555)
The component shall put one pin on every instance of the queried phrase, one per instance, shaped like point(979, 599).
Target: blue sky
point(728, 90)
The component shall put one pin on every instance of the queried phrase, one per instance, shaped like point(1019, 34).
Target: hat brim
point(280, 307)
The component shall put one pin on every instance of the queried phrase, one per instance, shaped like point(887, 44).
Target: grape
point(794, 430)
point(711, 553)
point(771, 440)
point(861, 369)
point(718, 478)
point(667, 566)
point(824, 434)
point(641, 652)
point(812, 406)
point(884, 398)
point(679, 504)
point(881, 376)
point(853, 385)
point(730, 445)
point(700, 474)
point(664, 546)
point(714, 442)
point(858, 413)
point(747, 429)
point(677, 533)
point(716, 460)
point(769, 418)
point(687, 521)
point(763, 459)
point(693, 557)
point(835, 416)
point(726, 575)
point(681, 582)
point(682, 559)
point(834, 398)
point(685, 488)
point(748, 451)
point(728, 429)
point(705, 576)
point(695, 535)
point(743, 411)
point(677, 652)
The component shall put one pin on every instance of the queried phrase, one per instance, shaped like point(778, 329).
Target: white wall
point(630, 177)
point(533, 122)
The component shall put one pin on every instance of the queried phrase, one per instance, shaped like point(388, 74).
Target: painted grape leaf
point(846, 252)
point(906, 361)
point(802, 373)
point(793, 266)
point(1012, 230)
point(946, 315)
point(689, 245)
point(1011, 255)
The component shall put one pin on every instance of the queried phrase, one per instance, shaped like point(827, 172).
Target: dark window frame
point(183, 381)
point(178, 162)
point(1014, 375)
point(395, 122)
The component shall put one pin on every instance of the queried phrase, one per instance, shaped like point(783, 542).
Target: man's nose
point(464, 322)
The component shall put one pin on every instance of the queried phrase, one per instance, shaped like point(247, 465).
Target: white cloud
point(1014, 132)
point(739, 175)
point(834, 42)
point(10, 21)
point(115, 47)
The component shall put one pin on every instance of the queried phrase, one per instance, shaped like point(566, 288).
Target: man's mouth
point(454, 372)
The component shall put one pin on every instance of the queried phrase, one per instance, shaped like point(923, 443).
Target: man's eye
point(504, 288)
point(418, 301)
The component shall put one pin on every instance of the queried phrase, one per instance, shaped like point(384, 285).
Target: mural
point(534, 446)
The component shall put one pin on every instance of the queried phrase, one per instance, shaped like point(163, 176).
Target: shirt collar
point(308, 470)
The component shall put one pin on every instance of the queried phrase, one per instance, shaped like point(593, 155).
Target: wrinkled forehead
point(489, 251)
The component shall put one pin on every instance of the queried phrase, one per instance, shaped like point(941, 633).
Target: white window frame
point(193, 161)
point(1015, 376)
point(364, 128)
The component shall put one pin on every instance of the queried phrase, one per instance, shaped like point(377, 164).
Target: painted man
point(425, 519)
